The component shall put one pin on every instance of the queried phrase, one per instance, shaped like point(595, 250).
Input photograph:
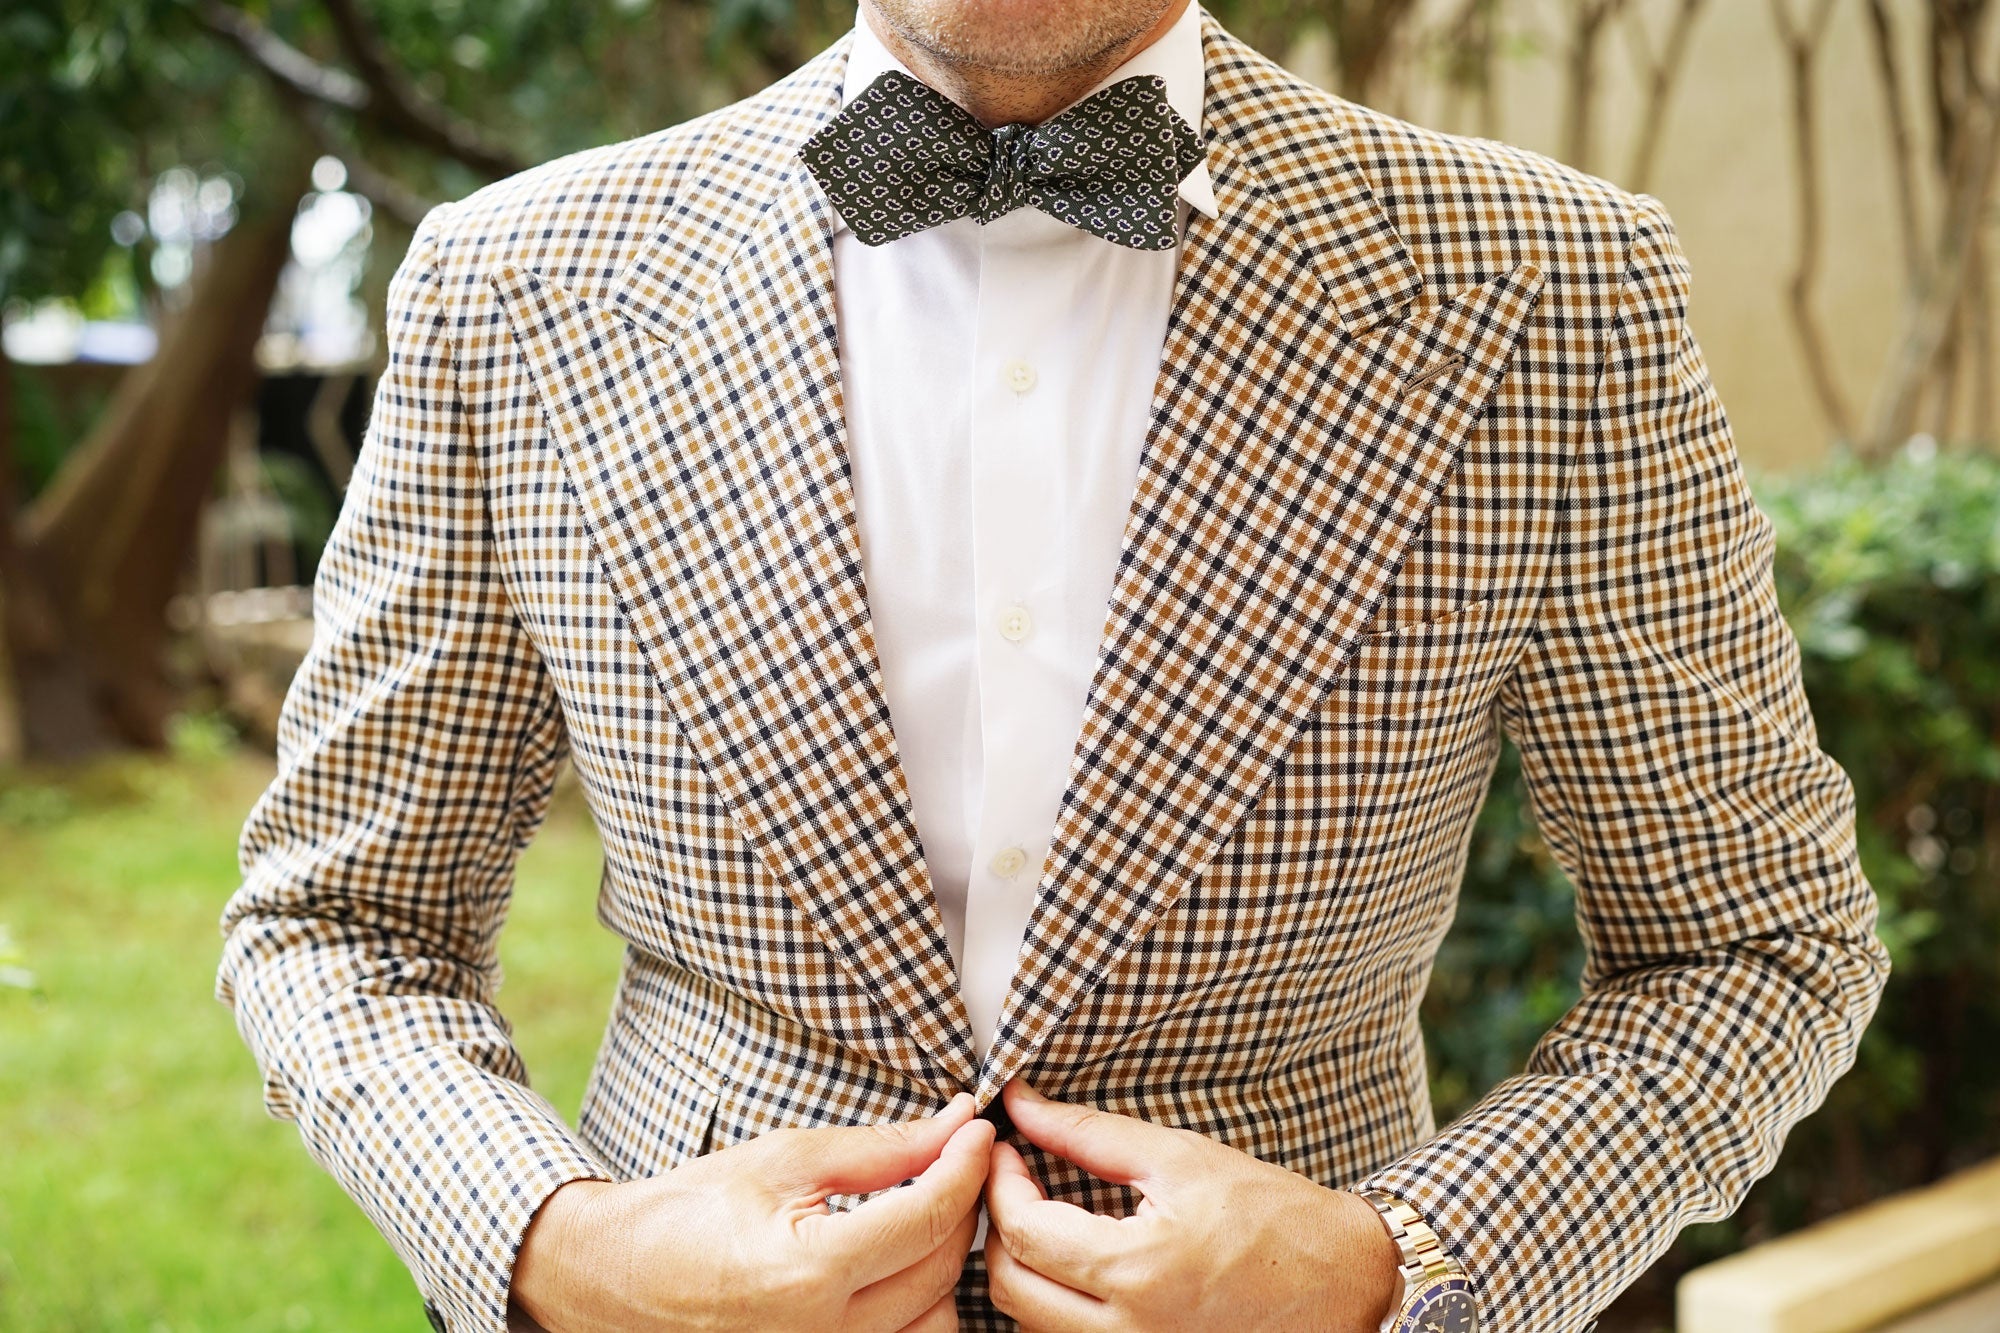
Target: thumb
point(898, 1227)
point(859, 1159)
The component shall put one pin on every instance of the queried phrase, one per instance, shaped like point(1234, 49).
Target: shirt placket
point(1018, 493)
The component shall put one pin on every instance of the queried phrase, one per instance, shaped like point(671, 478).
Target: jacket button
point(996, 1112)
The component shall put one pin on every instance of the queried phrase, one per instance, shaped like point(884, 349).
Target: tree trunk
point(1580, 85)
point(13, 745)
point(1364, 37)
point(1933, 304)
point(1802, 47)
point(1661, 76)
point(102, 552)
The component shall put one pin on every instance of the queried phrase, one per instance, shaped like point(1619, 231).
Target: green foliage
point(1890, 577)
point(47, 427)
point(32, 805)
point(72, 80)
point(735, 19)
point(97, 97)
point(200, 738)
point(309, 509)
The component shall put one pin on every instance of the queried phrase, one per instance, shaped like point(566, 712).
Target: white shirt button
point(1008, 862)
point(1015, 624)
point(1019, 376)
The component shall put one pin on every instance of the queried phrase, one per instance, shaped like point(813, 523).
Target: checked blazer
point(1433, 458)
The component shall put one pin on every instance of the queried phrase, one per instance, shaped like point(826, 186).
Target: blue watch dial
point(1444, 1308)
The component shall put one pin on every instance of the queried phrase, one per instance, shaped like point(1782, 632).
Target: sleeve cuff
point(450, 1161)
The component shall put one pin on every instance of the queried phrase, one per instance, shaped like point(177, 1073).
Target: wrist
point(1370, 1262)
point(1383, 1315)
point(545, 1258)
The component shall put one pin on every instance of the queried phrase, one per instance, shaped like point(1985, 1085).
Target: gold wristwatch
point(1437, 1294)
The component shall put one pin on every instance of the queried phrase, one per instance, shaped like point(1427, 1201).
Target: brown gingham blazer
point(1433, 456)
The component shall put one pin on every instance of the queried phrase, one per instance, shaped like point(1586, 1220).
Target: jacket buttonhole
point(1423, 375)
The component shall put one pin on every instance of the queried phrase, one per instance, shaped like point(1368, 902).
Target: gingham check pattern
point(1433, 456)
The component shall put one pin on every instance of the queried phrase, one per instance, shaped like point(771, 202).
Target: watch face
point(1441, 1307)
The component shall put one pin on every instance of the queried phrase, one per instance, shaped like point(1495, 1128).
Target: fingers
point(860, 1159)
point(893, 1230)
point(914, 1297)
point(1111, 1147)
point(1036, 1301)
point(1057, 1240)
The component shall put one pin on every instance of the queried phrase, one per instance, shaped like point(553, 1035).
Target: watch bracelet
point(1422, 1252)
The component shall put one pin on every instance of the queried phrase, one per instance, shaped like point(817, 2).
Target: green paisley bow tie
point(902, 157)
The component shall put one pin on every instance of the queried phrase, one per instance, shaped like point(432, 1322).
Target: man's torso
point(1341, 518)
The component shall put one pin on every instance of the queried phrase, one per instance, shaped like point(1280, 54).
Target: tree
point(1946, 335)
point(419, 100)
point(68, 86)
point(1804, 36)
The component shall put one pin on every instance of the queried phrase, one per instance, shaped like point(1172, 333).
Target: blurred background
point(201, 202)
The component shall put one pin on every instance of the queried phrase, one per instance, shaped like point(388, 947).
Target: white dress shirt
point(998, 383)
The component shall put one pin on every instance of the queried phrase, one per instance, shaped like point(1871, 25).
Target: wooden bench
point(1924, 1261)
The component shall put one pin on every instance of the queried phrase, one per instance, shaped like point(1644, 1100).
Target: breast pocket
point(1412, 716)
point(1406, 668)
point(1403, 744)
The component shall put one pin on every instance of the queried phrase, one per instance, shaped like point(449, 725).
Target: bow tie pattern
point(902, 157)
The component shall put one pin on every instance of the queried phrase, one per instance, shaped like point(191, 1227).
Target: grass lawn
point(142, 1186)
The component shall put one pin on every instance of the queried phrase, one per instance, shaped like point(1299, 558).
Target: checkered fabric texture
point(1434, 457)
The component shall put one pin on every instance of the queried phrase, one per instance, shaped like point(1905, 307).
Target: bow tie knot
point(1007, 173)
point(902, 157)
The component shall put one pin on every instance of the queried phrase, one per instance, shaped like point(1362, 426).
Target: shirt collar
point(1175, 57)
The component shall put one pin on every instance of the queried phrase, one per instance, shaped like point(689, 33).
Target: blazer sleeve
point(1731, 960)
point(416, 751)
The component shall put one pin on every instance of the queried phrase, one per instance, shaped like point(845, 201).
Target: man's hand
point(1221, 1240)
point(743, 1239)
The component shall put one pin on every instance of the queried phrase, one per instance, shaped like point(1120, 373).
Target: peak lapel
point(1291, 459)
point(700, 422)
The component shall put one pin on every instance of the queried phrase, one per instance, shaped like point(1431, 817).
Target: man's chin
point(1018, 38)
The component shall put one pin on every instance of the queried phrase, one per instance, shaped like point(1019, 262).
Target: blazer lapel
point(699, 419)
point(1290, 460)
